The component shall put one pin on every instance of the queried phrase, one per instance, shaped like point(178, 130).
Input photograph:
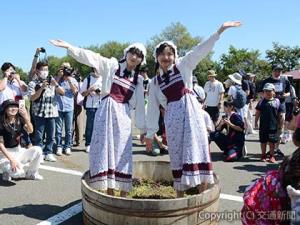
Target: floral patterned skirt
point(110, 154)
point(188, 143)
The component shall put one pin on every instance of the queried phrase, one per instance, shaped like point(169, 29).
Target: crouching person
point(233, 142)
point(17, 162)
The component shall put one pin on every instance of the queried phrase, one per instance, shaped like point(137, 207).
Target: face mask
point(44, 74)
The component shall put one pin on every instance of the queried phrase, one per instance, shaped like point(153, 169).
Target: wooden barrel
point(102, 209)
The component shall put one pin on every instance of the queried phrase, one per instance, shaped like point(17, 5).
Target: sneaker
point(59, 151)
point(68, 151)
point(244, 151)
point(272, 159)
point(6, 176)
point(50, 158)
point(87, 150)
point(35, 176)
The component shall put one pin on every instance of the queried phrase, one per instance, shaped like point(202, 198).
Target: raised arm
point(193, 57)
point(87, 57)
point(33, 65)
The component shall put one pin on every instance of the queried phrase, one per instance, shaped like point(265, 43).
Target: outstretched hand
point(60, 43)
point(229, 24)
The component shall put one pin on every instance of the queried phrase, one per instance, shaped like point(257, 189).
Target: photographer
point(5, 92)
point(41, 92)
point(231, 144)
point(90, 90)
point(65, 108)
point(14, 82)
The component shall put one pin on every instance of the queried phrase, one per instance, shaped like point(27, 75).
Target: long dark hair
point(140, 54)
point(6, 125)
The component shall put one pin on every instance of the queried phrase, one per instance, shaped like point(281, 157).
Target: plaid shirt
point(45, 106)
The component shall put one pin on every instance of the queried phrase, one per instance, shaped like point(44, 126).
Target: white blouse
point(107, 68)
point(185, 65)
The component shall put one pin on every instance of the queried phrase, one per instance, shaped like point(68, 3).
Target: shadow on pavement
point(6, 183)
point(138, 145)
point(39, 212)
point(75, 220)
point(260, 169)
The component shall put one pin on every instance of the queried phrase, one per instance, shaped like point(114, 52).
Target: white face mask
point(44, 74)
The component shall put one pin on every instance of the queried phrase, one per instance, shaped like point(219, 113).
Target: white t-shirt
point(199, 91)
point(213, 91)
point(6, 94)
point(15, 87)
point(93, 99)
point(208, 121)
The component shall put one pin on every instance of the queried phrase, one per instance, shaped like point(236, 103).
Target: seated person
point(15, 161)
point(233, 142)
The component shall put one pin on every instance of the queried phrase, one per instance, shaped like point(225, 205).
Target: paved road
point(31, 202)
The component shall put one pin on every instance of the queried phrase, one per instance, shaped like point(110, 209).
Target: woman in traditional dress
point(122, 89)
point(185, 126)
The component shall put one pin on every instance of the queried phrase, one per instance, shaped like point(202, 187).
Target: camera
point(224, 117)
point(43, 50)
point(49, 79)
point(67, 71)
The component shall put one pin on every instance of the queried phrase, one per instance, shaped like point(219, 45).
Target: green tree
point(22, 74)
point(242, 59)
point(184, 41)
point(287, 56)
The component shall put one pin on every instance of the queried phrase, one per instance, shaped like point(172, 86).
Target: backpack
point(87, 87)
point(241, 98)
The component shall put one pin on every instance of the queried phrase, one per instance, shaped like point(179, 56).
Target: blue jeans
point(90, 115)
point(67, 119)
point(46, 125)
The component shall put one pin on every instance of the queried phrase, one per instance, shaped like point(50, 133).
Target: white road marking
point(61, 170)
point(63, 216)
point(231, 197)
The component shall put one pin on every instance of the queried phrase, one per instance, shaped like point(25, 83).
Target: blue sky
point(29, 24)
